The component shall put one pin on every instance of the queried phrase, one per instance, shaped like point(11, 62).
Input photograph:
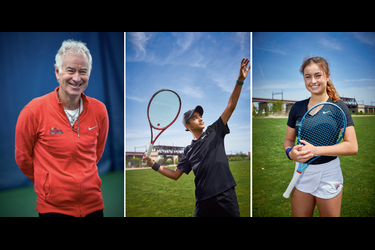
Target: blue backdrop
point(27, 71)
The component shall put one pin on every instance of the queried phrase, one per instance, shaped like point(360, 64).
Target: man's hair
point(71, 46)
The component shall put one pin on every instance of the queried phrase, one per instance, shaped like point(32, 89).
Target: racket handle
point(291, 184)
point(148, 153)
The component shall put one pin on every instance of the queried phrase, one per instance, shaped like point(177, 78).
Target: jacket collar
point(57, 104)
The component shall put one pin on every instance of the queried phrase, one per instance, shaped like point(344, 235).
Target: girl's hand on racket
point(243, 70)
point(308, 146)
point(300, 154)
point(150, 162)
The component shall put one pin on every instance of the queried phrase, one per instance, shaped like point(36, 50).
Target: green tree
point(136, 162)
point(254, 110)
point(276, 106)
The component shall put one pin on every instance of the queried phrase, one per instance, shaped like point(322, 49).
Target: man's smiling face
point(74, 75)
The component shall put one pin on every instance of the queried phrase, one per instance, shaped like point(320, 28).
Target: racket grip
point(148, 153)
point(291, 184)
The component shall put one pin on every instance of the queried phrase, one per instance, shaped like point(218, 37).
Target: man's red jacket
point(61, 164)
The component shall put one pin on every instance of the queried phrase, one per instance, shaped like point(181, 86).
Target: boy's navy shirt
point(208, 160)
point(299, 109)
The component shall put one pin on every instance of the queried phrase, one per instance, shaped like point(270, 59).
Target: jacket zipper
point(44, 186)
point(74, 165)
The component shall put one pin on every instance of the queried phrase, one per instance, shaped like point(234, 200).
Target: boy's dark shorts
point(221, 205)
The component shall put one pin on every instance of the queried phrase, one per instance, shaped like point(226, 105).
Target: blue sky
point(201, 67)
point(277, 58)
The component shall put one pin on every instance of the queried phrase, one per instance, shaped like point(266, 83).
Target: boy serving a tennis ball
point(214, 183)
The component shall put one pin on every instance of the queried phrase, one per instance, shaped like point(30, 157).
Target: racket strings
point(323, 127)
point(163, 109)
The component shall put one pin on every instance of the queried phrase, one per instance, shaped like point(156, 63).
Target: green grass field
point(150, 194)
point(21, 202)
point(272, 170)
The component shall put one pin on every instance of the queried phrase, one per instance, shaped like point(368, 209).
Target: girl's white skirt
point(323, 180)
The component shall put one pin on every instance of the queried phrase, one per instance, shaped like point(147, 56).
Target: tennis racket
point(322, 125)
point(162, 111)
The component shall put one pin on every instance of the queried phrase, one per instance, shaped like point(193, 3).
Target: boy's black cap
point(188, 114)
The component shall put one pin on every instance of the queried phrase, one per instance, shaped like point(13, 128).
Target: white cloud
point(272, 50)
point(242, 39)
point(139, 41)
point(261, 71)
point(278, 85)
point(365, 37)
point(195, 92)
point(330, 44)
point(197, 61)
point(135, 98)
point(184, 45)
point(186, 39)
point(222, 83)
point(359, 80)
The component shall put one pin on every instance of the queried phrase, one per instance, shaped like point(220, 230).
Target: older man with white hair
point(60, 137)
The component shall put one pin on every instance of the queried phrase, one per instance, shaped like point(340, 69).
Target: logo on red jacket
point(55, 131)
